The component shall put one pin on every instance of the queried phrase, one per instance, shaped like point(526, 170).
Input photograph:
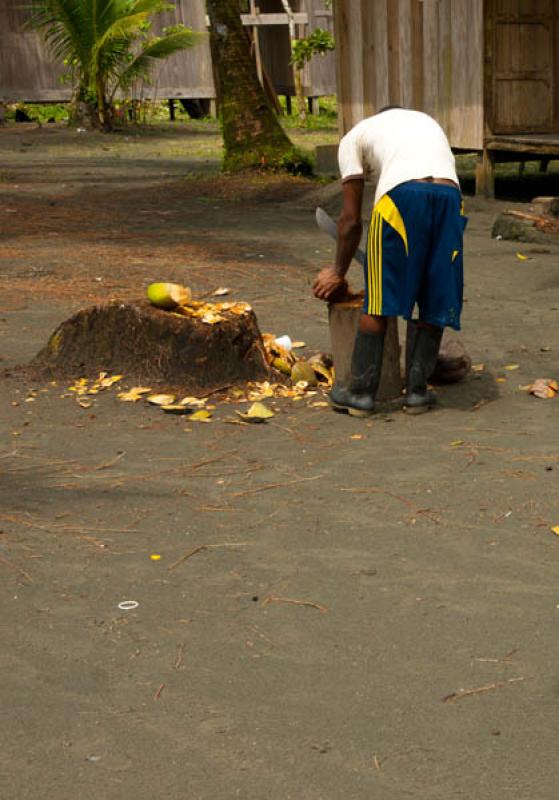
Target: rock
point(515, 229)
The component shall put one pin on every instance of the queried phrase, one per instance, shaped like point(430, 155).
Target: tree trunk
point(252, 134)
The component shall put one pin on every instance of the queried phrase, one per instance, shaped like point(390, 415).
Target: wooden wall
point(422, 54)
point(28, 73)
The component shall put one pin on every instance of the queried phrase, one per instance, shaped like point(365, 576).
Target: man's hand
point(329, 285)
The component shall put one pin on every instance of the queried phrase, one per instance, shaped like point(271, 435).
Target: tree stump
point(344, 319)
point(155, 347)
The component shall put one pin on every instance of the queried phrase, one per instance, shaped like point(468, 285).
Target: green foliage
point(106, 45)
point(40, 112)
point(319, 42)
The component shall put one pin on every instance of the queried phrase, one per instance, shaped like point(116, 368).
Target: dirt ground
point(372, 609)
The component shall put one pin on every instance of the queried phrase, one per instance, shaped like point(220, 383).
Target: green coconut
point(303, 371)
point(168, 295)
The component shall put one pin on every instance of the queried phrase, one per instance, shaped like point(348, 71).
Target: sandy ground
point(374, 607)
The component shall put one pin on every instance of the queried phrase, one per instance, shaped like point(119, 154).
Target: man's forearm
point(349, 237)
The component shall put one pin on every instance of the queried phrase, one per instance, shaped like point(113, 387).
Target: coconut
point(303, 371)
point(168, 295)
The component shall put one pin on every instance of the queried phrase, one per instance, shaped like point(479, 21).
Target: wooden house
point(27, 73)
point(487, 70)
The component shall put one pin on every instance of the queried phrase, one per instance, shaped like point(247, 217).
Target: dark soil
point(341, 608)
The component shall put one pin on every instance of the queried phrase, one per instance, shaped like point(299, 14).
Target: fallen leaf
point(357, 436)
point(511, 367)
point(161, 399)
point(202, 415)
point(501, 380)
point(155, 557)
point(555, 530)
point(193, 401)
point(457, 443)
point(298, 345)
point(320, 404)
point(522, 257)
point(84, 404)
point(258, 412)
point(134, 394)
point(211, 318)
point(221, 291)
point(478, 367)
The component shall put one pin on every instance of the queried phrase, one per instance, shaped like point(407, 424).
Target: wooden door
point(521, 73)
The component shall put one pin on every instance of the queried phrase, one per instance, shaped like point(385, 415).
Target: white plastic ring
point(128, 605)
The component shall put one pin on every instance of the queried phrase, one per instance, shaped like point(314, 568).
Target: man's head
point(386, 108)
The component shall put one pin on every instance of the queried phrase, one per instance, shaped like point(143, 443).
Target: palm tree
point(252, 134)
point(106, 45)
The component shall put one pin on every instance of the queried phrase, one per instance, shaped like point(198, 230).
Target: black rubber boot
point(358, 399)
point(421, 365)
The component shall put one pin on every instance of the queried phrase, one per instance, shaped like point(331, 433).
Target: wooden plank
point(380, 11)
point(393, 39)
point(417, 54)
point(445, 65)
point(430, 57)
point(322, 69)
point(405, 53)
point(466, 106)
point(342, 13)
point(273, 19)
point(368, 24)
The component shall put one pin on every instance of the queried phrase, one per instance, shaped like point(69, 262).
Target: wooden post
point(254, 9)
point(485, 174)
point(171, 109)
point(344, 318)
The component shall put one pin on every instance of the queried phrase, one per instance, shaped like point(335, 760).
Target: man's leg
point(423, 359)
point(358, 399)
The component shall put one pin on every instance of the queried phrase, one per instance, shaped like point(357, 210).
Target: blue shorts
point(415, 254)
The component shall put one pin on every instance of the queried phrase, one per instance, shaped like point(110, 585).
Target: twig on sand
point(268, 486)
point(16, 569)
point(201, 547)
point(178, 659)
point(376, 763)
point(110, 463)
point(272, 598)
point(490, 687)
point(158, 691)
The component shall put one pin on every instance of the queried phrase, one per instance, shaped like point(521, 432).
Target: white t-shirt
point(396, 146)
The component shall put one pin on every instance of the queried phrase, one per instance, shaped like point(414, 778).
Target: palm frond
point(158, 48)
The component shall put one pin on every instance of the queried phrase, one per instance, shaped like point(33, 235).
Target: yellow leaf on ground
point(134, 394)
point(202, 415)
point(258, 412)
point(221, 291)
point(357, 436)
point(512, 367)
point(555, 530)
point(522, 257)
point(161, 399)
point(298, 345)
point(155, 557)
point(478, 367)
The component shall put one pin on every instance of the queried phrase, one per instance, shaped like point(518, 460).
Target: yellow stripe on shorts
point(374, 260)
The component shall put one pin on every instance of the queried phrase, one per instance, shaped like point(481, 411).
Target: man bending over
point(414, 248)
